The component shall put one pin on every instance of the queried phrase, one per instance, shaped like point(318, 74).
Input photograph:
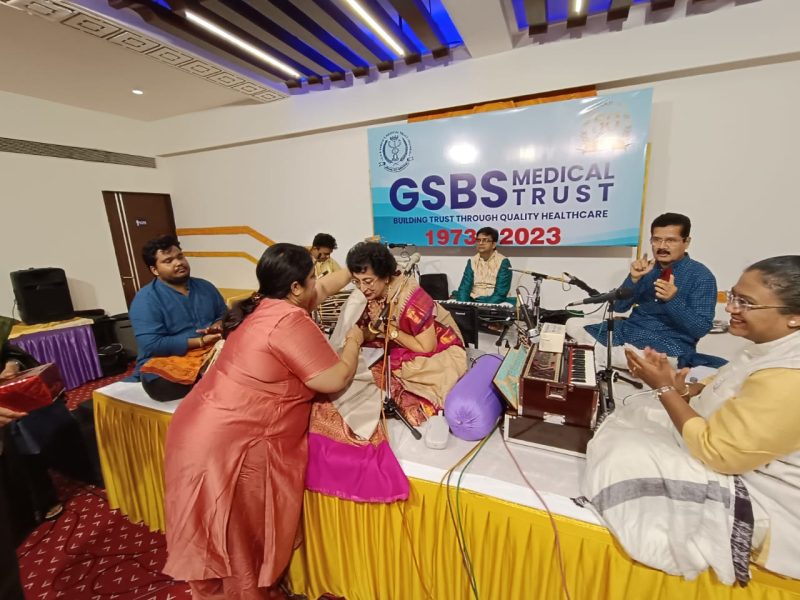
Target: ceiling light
point(240, 43)
point(375, 26)
point(578, 5)
point(137, 92)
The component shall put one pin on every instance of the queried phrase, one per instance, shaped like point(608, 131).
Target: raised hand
point(641, 267)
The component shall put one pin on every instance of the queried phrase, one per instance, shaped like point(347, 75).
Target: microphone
point(376, 326)
point(539, 275)
point(582, 285)
point(399, 245)
point(617, 294)
point(412, 261)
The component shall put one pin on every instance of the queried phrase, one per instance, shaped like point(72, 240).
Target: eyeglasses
point(364, 283)
point(739, 304)
point(658, 241)
point(484, 241)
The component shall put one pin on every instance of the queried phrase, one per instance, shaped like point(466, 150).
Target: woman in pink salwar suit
point(236, 449)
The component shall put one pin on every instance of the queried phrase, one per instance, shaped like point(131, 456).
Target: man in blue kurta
point(487, 276)
point(173, 314)
point(674, 297)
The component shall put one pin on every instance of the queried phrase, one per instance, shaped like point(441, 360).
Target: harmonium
point(552, 397)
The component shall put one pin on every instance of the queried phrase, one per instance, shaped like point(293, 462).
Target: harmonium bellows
point(557, 402)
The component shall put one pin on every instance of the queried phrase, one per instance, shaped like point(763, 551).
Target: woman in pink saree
point(427, 357)
point(236, 449)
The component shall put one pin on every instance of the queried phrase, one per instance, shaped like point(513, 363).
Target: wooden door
point(134, 219)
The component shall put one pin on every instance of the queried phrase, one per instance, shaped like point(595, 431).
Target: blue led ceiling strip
point(290, 10)
point(257, 18)
point(413, 52)
point(442, 19)
point(417, 17)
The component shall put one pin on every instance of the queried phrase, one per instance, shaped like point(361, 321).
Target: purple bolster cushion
point(473, 405)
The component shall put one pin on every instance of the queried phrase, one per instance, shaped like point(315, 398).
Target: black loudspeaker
point(435, 284)
point(42, 295)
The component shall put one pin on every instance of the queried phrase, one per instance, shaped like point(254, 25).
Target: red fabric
point(31, 389)
point(416, 317)
point(254, 394)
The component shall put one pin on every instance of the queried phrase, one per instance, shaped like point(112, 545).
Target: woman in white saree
point(708, 474)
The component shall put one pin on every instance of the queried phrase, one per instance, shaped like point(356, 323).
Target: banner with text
point(560, 174)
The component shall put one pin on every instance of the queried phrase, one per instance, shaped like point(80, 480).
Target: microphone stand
point(609, 375)
point(390, 408)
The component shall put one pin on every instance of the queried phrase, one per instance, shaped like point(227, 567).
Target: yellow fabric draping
point(23, 329)
point(130, 440)
point(460, 111)
point(233, 295)
point(409, 550)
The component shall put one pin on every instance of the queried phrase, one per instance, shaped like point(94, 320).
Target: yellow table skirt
point(130, 441)
point(409, 551)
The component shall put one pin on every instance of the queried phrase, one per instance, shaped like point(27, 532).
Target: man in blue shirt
point(173, 314)
point(675, 298)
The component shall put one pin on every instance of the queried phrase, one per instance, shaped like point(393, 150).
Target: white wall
point(26, 118)
point(722, 146)
point(722, 152)
point(52, 209)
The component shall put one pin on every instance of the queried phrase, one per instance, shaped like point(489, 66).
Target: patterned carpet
point(84, 393)
point(91, 552)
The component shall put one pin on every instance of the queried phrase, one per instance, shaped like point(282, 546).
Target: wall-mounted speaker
point(42, 295)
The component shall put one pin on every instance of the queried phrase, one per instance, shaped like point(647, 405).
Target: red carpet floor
point(92, 552)
point(84, 393)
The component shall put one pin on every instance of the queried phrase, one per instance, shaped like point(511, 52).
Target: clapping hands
point(654, 369)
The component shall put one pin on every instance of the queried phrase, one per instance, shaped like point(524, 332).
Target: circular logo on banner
point(609, 128)
point(395, 151)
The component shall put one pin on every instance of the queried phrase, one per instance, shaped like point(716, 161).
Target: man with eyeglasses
point(487, 276)
point(674, 299)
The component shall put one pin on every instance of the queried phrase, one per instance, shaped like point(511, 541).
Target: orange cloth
point(252, 396)
point(179, 369)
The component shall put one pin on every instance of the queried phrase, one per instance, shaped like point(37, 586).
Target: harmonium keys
point(560, 387)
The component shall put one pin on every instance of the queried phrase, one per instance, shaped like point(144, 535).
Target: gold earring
point(792, 323)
